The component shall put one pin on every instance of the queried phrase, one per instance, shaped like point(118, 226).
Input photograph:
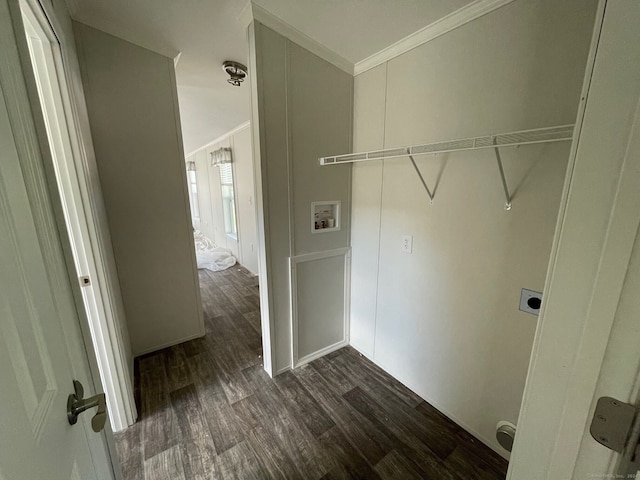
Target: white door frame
point(67, 158)
point(264, 271)
point(597, 225)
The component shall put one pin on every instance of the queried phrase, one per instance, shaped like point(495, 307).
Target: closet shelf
point(524, 137)
point(560, 133)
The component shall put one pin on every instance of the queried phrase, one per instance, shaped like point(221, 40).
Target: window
point(193, 191)
point(228, 200)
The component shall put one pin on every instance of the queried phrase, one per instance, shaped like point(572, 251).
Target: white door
point(616, 296)
point(41, 348)
point(619, 373)
point(586, 344)
point(79, 200)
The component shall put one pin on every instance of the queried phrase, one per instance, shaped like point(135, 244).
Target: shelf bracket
point(507, 205)
point(413, 162)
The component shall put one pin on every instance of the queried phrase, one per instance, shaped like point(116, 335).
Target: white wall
point(245, 197)
point(445, 319)
point(211, 223)
point(301, 110)
point(132, 105)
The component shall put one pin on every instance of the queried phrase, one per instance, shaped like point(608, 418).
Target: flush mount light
point(236, 71)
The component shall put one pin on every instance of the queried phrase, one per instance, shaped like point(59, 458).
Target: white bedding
point(211, 257)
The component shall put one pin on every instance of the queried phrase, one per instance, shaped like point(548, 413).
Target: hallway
point(208, 410)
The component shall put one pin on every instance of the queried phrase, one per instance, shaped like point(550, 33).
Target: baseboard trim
point(361, 352)
point(282, 370)
point(321, 353)
point(168, 344)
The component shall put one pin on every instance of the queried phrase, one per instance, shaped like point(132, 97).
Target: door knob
point(76, 404)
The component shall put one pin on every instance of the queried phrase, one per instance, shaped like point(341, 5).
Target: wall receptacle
point(407, 243)
point(530, 301)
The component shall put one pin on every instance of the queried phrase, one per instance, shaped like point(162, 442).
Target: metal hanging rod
point(561, 133)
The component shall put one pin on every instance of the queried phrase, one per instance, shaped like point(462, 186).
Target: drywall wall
point(211, 221)
point(302, 109)
point(444, 319)
point(245, 198)
point(131, 100)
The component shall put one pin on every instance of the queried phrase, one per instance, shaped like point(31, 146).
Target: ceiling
point(207, 32)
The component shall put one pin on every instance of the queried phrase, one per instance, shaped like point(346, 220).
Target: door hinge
point(616, 425)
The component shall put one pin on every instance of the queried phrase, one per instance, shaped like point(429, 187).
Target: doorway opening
point(221, 187)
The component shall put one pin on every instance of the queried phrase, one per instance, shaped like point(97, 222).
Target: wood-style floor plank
point(208, 410)
point(437, 437)
point(415, 452)
point(472, 452)
point(198, 458)
point(276, 463)
point(233, 382)
point(372, 443)
point(178, 374)
point(254, 320)
point(226, 429)
point(303, 405)
point(395, 466)
point(159, 431)
point(237, 299)
point(166, 465)
point(241, 345)
point(405, 394)
point(239, 463)
point(190, 415)
point(292, 435)
point(351, 464)
point(129, 448)
point(248, 412)
point(339, 382)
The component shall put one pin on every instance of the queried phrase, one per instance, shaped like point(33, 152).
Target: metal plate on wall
point(530, 301)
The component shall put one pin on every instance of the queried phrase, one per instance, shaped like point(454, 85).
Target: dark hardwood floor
point(208, 410)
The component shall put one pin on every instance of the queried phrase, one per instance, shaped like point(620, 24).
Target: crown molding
point(253, 12)
point(176, 59)
point(246, 15)
point(222, 137)
point(446, 24)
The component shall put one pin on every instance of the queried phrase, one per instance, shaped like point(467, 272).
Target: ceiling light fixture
point(236, 71)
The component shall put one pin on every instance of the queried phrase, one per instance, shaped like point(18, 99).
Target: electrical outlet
point(407, 243)
point(530, 301)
